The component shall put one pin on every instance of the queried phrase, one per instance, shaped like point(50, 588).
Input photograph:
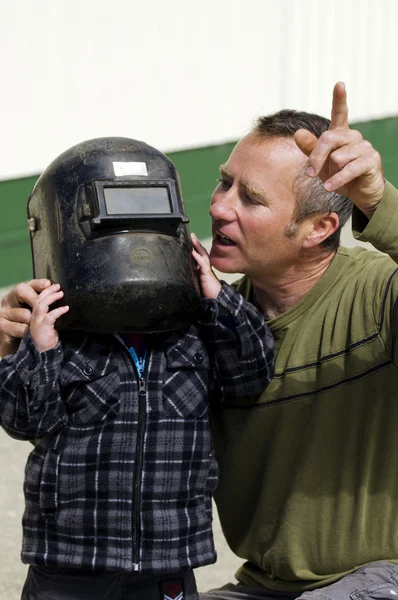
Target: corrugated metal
point(182, 74)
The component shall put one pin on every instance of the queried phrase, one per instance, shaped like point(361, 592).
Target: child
point(118, 486)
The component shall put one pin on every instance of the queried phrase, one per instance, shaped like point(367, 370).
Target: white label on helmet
point(130, 168)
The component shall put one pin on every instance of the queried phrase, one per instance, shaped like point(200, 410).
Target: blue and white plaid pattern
point(118, 480)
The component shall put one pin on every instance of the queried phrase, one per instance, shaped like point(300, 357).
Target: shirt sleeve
point(30, 402)
point(241, 344)
point(381, 229)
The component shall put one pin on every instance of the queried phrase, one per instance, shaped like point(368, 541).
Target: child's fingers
point(48, 297)
point(40, 310)
point(200, 259)
point(53, 315)
point(55, 287)
point(197, 245)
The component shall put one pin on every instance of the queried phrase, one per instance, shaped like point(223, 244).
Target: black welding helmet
point(107, 223)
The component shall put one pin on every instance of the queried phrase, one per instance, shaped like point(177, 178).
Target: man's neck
point(277, 294)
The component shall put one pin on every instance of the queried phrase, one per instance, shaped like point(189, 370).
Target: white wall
point(182, 73)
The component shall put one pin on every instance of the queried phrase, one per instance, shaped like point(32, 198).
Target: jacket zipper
point(140, 366)
point(138, 471)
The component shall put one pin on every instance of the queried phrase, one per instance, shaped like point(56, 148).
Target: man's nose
point(222, 206)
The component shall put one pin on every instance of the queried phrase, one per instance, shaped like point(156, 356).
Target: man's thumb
point(305, 140)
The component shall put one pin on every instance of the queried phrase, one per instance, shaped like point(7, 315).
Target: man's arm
point(349, 165)
point(15, 313)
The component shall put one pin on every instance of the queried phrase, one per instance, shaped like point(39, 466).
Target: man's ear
point(320, 227)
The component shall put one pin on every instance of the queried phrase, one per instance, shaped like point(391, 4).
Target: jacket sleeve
point(30, 402)
point(241, 345)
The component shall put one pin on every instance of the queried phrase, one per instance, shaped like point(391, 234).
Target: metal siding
point(183, 74)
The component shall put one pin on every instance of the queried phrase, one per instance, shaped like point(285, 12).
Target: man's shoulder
point(360, 258)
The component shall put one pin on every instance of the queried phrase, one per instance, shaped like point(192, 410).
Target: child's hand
point(42, 321)
point(208, 281)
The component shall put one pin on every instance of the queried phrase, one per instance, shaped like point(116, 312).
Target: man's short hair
point(311, 196)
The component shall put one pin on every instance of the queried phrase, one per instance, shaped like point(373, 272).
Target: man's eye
point(223, 184)
point(251, 200)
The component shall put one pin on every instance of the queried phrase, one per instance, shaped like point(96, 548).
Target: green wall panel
point(198, 170)
point(383, 134)
point(15, 257)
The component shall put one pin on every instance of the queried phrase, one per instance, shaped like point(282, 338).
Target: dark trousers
point(74, 584)
point(376, 581)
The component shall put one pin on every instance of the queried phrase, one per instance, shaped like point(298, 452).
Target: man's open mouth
point(224, 240)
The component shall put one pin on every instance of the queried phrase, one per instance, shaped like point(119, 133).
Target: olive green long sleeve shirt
point(308, 486)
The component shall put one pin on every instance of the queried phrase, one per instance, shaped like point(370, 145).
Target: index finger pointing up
point(339, 117)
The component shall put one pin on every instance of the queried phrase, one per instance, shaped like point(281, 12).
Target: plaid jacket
point(122, 471)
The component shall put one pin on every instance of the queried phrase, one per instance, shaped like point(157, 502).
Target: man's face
point(253, 205)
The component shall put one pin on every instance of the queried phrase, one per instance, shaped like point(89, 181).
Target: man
point(308, 490)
